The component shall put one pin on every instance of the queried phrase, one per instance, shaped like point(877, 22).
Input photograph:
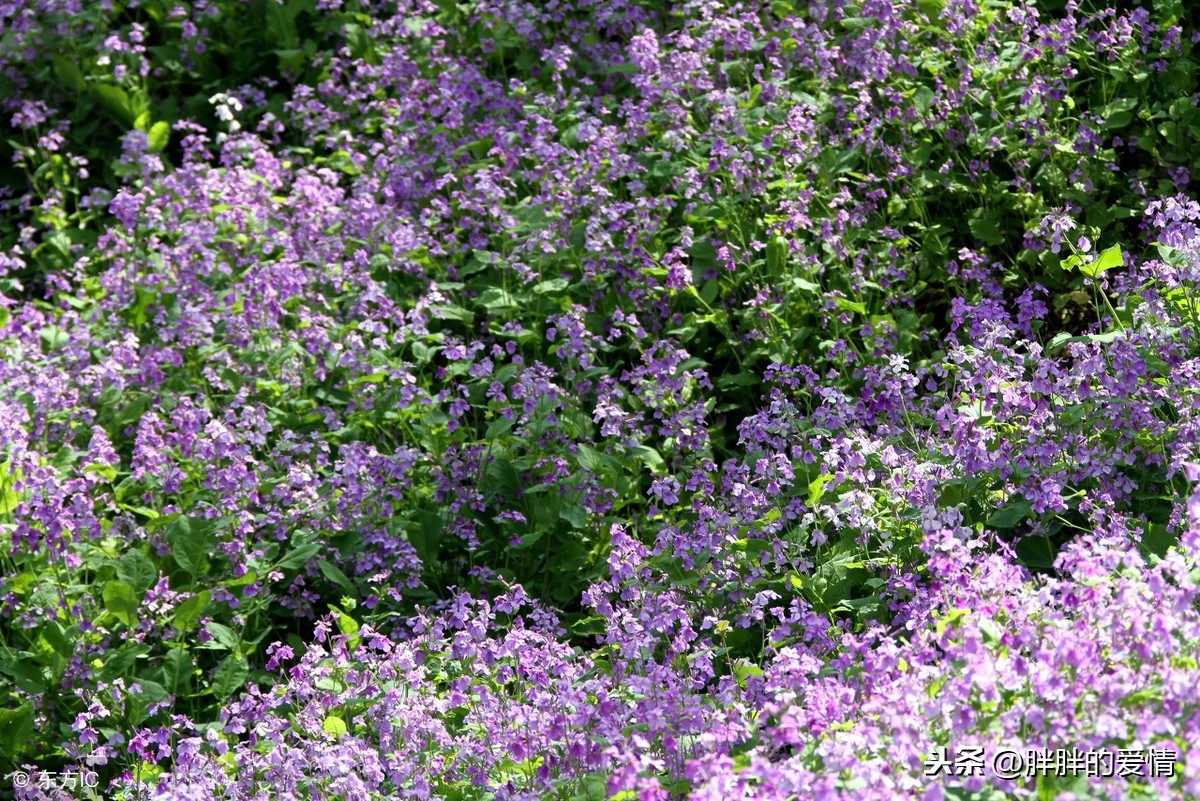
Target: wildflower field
point(599, 399)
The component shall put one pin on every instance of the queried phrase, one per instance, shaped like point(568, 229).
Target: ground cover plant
point(582, 400)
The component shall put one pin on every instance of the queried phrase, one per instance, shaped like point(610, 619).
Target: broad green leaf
point(648, 455)
point(923, 100)
point(777, 252)
point(425, 535)
point(497, 300)
point(51, 636)
point(1108, 259)
point(816, 488)
point(1037, 553)
point(334, 726)
point(552, 285)
point(589, 458)
point(120, 662)
point(1058, 341)
point(335, 575)
point(347, 625)
point(138, 571)
point(1118, 119)
point(230, 676)
point(452, 313)
point(68, 74)
point(1010, 514)
point(851, 305)
point(116, 100)
point(745, 669)
point(159, 136)
point(121, 599)
point(16, 730)
point(574, 515)
point(9, 500)
point(190, 611)
point(299, 556)
point(191, 543)
point(54, 337)
point(986, 230)
point(21, 667)
point(105, 471)
point(177, 671)
point(224, 637)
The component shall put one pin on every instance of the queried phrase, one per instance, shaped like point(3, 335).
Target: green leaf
point(986, 230)
point(122, 601)
point(137, 705)
point(138, 570)
point(299, 556)
point(1126, 103)
point(158, 522)
point(230, 676)
point(190, 611)
point(589, 458)
point(552, 285)
point(52, 637)
point(138, 312)
point(1119, 112)
point(9, 500)
point(816, 488)
point(177, 671)
point(120, 662)
point(574, 515)
point(498, 428)
point(745, 669)
point(224, 637)
point(923, 100)
point(1058, 341)
point(16, 730)
point(68, 74)
point(426, 535)
point(54, 337)
point(864, 607)
point(777, 253)
point(191, 542)
point(452, 313)
point(105, 471)
point(160, 136)
point(334, 726)
point(1118, 119)
point(497, 300)
point(20, 665)
point(1071, 262)
point(952, 617)
point(1010, 514)
point(1037, 553)
point(1108, 259)
point(335, 575)
point(850, 305)
point(348, 626)
point(650, 457)
point(116, 100)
